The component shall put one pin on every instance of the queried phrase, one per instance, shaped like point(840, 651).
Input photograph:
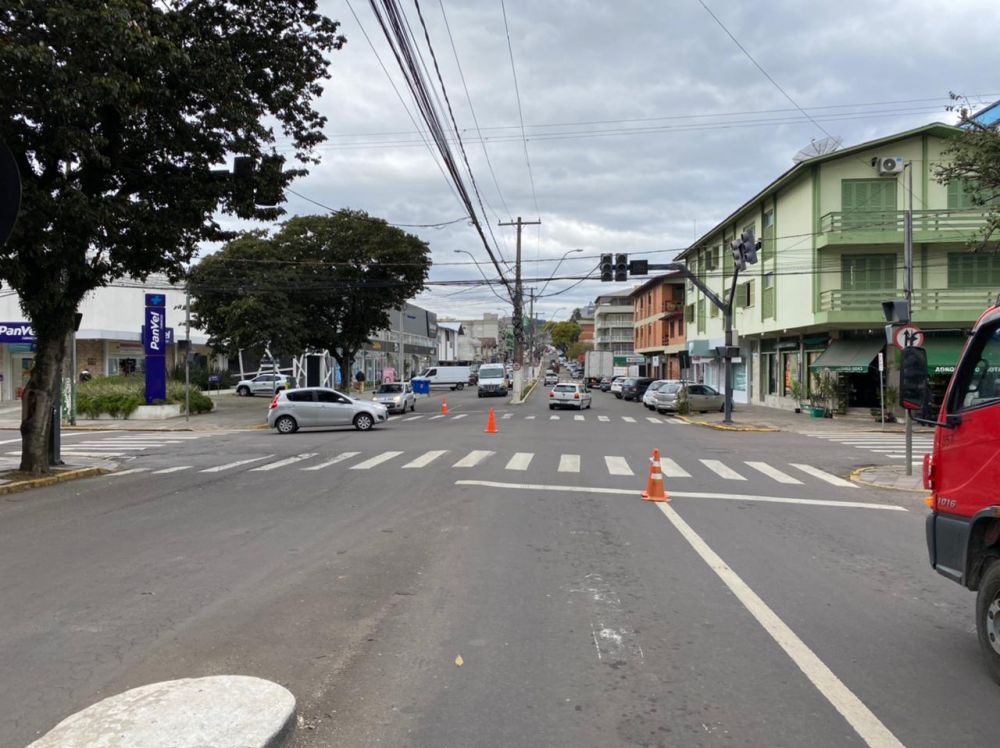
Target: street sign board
point(908, 336)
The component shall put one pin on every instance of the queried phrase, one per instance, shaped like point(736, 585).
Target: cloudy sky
point(645, 123)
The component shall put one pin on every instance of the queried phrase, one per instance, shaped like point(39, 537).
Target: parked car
point(263, 384)
point(605, 384)
point(493, 380)
point(321, 407)
point(633, 388)
point(396, 397)
point(569, 395)
point(700, 397)
point(551, 377)
point(647, 396)
point(616, 386)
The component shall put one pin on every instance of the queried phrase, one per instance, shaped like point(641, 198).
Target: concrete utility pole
point(908, 292)
point(531, 332)
point(402, 358)
point(518, 303)
point(187, 355)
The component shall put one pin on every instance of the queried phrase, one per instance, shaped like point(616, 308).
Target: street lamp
point(570, 252)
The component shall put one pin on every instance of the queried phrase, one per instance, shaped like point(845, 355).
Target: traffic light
point(737, 249)
point(638, 267)
point(750, 247)
point(621, 267)
point(607, 270)
point(913, 379)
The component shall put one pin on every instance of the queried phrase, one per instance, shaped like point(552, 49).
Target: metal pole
point(187, 355)
point(402, 359)
point(72, 379)
point(908, 293)
point(881, 386)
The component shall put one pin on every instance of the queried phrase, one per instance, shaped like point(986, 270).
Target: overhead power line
point(520, 113)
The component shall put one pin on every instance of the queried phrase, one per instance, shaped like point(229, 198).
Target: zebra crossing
point(891, 445)
point(509, 416)
point(619, 466)
point(120, 444)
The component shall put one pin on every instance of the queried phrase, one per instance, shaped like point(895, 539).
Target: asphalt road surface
point(770, 603)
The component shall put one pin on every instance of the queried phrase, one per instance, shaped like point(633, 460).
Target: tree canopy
point(118, 114)
point(321, 282)
point(563, 334)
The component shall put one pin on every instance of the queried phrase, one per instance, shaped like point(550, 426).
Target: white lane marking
point(520, 461)
point(773, 472)
point(127, 472)
point(850, 707)
point(176, 469)
point(227, 466)
point(653, 419)
point(89, 445)
point(507, 415)
point(282, 463)
point(579, 418)
point(460, 415)
point(671, 469)
point(569, 463)
point(412, 418)
point(426, 458)
point(339, 458)
point(833, 480)
point(439, 415)
point(605, 419)
point(617, 465)
point(628, 419)
point(473, 458)
point(529, 418)
point(721, 469)
point(686, 495)
point(376, 460)
point(553, 418)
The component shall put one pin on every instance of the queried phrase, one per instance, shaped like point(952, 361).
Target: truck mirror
point(913, 379)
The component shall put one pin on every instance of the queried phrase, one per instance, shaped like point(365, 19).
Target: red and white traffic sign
point(517, 366)
point(908, 336)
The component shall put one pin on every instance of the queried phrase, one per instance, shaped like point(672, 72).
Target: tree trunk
point(39, 396)
point(345, 358)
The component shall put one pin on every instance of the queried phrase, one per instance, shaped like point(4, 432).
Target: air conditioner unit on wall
point(889, 165)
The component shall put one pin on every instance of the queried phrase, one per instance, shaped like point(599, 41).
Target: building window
point(701, 315)
point(767, 247)
point(869, 204)
point(767, 296)
point(868, 272)
point(973, 270)
point(961, 194)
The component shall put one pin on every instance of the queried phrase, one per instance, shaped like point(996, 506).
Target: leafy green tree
point(117, 112)
point(973, 162)
point(321, 282)
point(578, 350)
point(563, 334)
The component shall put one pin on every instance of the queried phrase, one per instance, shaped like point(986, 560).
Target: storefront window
point(790, 371)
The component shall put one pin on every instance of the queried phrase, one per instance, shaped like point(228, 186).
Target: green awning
point(848, 356)
point(943, 353)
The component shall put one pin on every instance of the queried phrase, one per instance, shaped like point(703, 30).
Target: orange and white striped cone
point(491, 423)
point(444, 407)
point(655, 490)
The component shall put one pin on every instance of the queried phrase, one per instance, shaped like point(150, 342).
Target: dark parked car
point(634, 388)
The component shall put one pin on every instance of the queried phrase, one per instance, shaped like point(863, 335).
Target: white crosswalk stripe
point(653, 419)
point(603, 419)
point(890, 445)
point(773, 472)
point(553, 418)
point(473, 458)
point(459, 416)
point(133, 471)
point(238, 463)
point(177, 469)
point(579, 418)
point(507, 415)
point(426, 458)
point(412, 418)
point(529, 418)
point(628, 419)
point(569, 463)
point(376, 460)
point(339, 458)
point(439, 415)
point(833, 480)
point(282, 463)
point(617, 465)
point(671, 469)
point(722, 470)
point(520, 461)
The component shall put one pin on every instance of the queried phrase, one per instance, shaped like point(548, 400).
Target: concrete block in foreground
point(220, 711)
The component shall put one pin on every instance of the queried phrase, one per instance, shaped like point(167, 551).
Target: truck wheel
point(461, 386)
point(988, 618)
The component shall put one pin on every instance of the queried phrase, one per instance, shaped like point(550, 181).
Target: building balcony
point(877, 227)
point(955, 305)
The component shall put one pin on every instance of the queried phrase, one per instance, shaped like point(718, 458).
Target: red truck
point(963, 473)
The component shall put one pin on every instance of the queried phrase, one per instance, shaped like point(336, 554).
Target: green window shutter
point(689, 313)
point(868, 272)
point(973, 270)
point(701, 315)
point(750, 299)
point(869, 204)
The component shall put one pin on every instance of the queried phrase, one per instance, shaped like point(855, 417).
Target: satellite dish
point(818, 148)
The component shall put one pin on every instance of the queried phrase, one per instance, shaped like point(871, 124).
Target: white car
point(616, 386)
point(397, 397)
point(569, 395)
point(551, 378)
point(263, 384)
point(647, 396)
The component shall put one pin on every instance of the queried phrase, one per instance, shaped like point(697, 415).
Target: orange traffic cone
point(444, 407)
point(491, 423)
point(654, 486)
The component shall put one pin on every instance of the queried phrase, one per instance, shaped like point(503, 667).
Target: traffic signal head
point(913, 379)
point(750, 247)
point(621, 267)
point(607, 269)
point(736, 248)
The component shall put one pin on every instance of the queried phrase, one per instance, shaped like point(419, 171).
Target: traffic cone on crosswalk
point(444, 407)
point(655, 490)
point(491, 423)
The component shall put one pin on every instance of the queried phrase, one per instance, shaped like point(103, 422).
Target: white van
point(454, 377)
point(492, 380)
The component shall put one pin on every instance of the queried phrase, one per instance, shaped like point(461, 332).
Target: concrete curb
point(51, 480)
point(724, 427)
point(525, 396)
point(855, 477)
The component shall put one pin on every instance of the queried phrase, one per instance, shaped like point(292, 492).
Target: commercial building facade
point(658, 325)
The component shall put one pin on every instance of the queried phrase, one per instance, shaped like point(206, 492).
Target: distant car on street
point(605, 385)
point(263, 384)
point(700, 397)
point(396, 397)
point(551, 377)
point(647, 396)
point(634, 388)
point(569, 395)
point(616, 387)
point(321, 407)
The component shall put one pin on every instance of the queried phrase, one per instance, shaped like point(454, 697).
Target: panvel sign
point(16, 332)
point(154, 341)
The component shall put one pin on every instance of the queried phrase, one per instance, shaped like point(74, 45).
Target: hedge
point(120, 396)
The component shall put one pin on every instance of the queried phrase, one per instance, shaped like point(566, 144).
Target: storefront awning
point(942, 354)
point(848, 356)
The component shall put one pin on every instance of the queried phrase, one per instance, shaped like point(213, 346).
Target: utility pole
point(402, 358)
point(908, 292)
point(531, 332)
point(187, 355)
point(518, 303)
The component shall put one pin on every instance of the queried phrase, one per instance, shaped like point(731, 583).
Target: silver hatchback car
point(397, 397)
point(321, 407)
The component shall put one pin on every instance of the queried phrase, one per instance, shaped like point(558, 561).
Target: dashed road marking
point(282, 463)
point(238, 463)
point(569, 464)
point(617, 465)
point(773, 472)
point(376, 460)
point(833, 480)
point(520, 461)
point(721, 469)
point(339, 458)
point(473, 458)
point(426, 458)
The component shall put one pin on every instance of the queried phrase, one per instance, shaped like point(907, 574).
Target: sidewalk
point(891, 476)
point(761, 418)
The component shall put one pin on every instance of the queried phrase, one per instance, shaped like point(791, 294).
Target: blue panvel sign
point(154, 341)
point(16, 332)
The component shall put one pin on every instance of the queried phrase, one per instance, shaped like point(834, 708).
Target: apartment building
point(613, 324)
point(658, 325)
